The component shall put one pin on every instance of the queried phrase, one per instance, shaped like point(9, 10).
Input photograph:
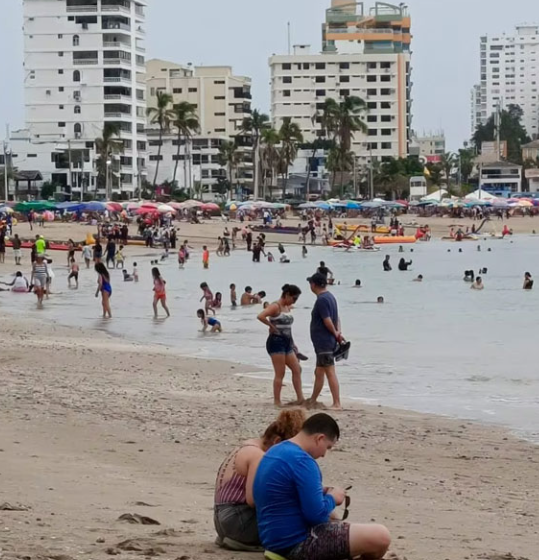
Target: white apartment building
point(428, 147)
point(84, 67)
point(510, 76)
point(365, 54)
point(476, 117)
point(222, 101)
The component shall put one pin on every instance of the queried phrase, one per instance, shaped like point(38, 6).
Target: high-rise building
point(222, 101)
point(428, 147)
point(509, 76)
point(84, 67)
point(476, 117)
point(366, 53)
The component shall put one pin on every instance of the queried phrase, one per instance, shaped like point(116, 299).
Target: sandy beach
point(94, 427)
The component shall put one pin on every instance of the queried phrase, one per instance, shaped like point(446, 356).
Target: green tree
point(255, 125)
point(290, 135)
point(270, 157)
point(47, 190)
point(185, 120)
point(448, 161)
point(511, 130)
point(229, 157)
point(435, 174)
point(466, 156)
point(108, 145)
point(161, 115)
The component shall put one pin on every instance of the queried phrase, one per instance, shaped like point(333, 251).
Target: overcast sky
point(244, 33)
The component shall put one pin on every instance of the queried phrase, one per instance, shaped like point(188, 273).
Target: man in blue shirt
point(325, 336)
point(294, 510)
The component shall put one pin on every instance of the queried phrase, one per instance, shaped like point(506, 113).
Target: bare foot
point(335, 407)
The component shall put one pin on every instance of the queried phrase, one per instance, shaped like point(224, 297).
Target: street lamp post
point(107, 187)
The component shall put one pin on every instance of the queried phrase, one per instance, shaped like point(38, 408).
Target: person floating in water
point(403, 265)
point(380, 299)
point(209, 322)
point(386, 265)
point(528, 281)
point(357, 284)
point(478, 284)
point(419, 278)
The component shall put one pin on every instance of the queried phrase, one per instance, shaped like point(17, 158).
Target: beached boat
point(354, 248)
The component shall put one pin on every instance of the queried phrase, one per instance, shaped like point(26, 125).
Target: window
point(175, 90)
point(156, 158)
point(320, 93)
point(76, 40)
point(386, 132)
point(77, 129)
point(219, 98)
point(76, 109)
point(371, 78)
point(220, 130)
point(386, 118)
point(61, 125)
point(152, 92)
point(372, 118)
point(193, 90)
point(61, 107)
point(385, 92)
point(287, 66)
point(344, 65)
point(61, 88)
point(320, 79)
point(372, 105)
point(306, 66)
point(219, 82)
point(286, 93)
point(344, 79)
point(31, 155)
point(386, 145)
point(371, 92)
point(385, 65)
point(76, 76)
point(372, 65)
point(385, 105)
point(220, 114)
point(287, 79)
point(61, 53)
point(372, 146)
point(320, 65)
point(372, 132)
point(60, 71)
point(344, 93)
point(385, 78)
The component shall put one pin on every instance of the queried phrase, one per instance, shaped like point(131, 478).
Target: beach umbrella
point(324, 206)
point(211, 207)
point(143, 210)
point(132, 206)
point(94, 206)
point(36, 205)
point(233, 207)
point(192, 203)
point(6, 209)
point(113, 207)
point(164, 209)
point(176, 205)
point(48, 216)
point(352, 205)
point(525, 203)
point(308, 206)
point(372, 204)
point(70, 206)
point(230, 203)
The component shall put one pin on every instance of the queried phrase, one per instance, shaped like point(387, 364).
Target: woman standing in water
point(40, 278)
point(159, 292)
point(280, 345)
point(103, 286)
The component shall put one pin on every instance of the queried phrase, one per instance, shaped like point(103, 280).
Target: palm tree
point(270, 156)
point(255, 125)
point(290, 135)
point(448, 162)
point(186, 122)
point(105, 147)
point(160, 115)
point(229, 157)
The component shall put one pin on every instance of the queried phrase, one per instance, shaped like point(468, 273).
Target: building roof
point(28, 176)
point(497, 164)
point(531, 145)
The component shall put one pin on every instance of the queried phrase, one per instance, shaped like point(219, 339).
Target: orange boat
point(399, 240)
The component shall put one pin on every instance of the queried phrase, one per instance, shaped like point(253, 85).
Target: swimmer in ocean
point(419, 278)
point(380, 299)
point(528, 281)
point(478, 284)
point(209, 322)
point(357, 284)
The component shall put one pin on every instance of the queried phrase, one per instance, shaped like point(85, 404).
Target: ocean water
point(436, 347)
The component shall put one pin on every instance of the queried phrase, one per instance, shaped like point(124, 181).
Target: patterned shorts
point(330, 541)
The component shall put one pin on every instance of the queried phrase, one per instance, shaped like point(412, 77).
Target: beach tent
point(436, 196)
point(484, 196)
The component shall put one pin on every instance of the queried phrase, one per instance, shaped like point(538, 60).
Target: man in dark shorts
point(325, 336)
point(295, 511)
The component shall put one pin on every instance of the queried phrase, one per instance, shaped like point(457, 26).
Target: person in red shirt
point(205, 257)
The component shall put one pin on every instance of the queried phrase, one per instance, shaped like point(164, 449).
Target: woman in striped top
point(40, 278)
point(234, 509)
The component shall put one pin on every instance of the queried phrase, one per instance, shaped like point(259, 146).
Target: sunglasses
point(347, 501)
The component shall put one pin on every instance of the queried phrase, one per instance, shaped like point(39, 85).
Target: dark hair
point(218, 295)
point(100, 268)
point(290, 290)
point(155, 272)
point(288, 424)
point(203, 285)
point(527, 274)
point(18, 274)
point(135, 264)
point(322, 263)
point(232, 286)
point(322, 424)
point(201, 314)
point(358, 282)
point(248, 289)
point(261, 294)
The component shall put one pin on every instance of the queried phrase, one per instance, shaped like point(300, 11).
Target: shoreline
point(94, 426)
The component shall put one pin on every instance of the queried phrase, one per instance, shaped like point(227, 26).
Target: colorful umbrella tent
point(35, 205)
point(114, 207)
point(165, 209)
point(94, 206)
point(211, 207)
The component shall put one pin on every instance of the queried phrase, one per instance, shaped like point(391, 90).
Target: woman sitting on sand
point(234, 507)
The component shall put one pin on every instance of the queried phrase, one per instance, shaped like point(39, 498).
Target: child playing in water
point(134, 274)
point(218, 301)
point(159, 292)
point(181, 257)
point(208, 322)
point(233, 297)
point(120, 257)
point(74, 273)
point(127, 277)
point(104, 287)
point(304, 252)
point(208, 296)
point(205, 257)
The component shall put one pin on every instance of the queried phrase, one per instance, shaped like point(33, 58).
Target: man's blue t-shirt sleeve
point(324, 308)
point(315, 506)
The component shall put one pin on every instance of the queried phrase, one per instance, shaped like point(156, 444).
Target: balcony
point(116, 25)
point(116, 45)
point(117, 97)
point(73, 6)
point(85, 61)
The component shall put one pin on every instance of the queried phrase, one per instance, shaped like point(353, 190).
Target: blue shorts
point(279, 344)
point(212, 321)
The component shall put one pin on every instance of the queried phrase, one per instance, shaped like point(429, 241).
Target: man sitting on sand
point(295, 512)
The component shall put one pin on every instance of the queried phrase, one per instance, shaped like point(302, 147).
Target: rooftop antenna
point(289, 41)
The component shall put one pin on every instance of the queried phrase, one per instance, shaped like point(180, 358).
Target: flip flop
point(341, 353)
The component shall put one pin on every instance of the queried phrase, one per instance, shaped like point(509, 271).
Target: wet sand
point(92, 428)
